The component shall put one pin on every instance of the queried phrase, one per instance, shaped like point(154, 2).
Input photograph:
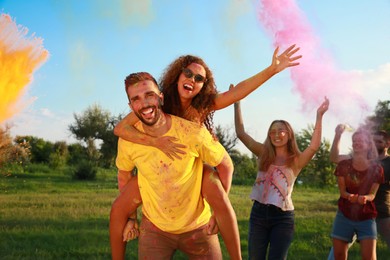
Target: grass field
point(47, 215)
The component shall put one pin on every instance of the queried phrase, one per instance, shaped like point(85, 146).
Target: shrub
point(245, 168)
point(85, 170)
point(38, 168)
point(59, 156)
point(11, 168)
point(77, 154)
point(13, 157)
point(39, 148)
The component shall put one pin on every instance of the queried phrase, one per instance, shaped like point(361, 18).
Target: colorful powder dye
point(317, 75)
point(19, 58)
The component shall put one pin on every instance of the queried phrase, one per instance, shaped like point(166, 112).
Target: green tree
point(245, 167)
point(96, 124)
point(109, 146)
point(227, 139)
point(59, 155)
point(5, 146)
point(39, 148)
point(381, 118)
point(319, 171)
point(13, 156)
point(77, 153)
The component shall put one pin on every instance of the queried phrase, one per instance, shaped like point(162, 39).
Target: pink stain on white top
point(275, 187)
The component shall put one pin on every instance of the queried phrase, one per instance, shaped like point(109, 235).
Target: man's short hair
point(384, 134)
point(134, 78)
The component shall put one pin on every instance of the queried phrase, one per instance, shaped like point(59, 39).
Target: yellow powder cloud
point(19, 58)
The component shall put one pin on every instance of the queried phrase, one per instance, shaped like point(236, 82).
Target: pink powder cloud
point(317, 75)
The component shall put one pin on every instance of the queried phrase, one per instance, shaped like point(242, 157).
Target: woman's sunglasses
point(281, 132)
point(189, 74)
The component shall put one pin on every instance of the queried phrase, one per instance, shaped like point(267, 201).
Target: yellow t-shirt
point(171, 190)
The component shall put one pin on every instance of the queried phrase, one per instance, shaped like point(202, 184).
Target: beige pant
point(154, 243)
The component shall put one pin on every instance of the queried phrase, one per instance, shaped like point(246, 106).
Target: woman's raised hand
point(285, 59)
point(323, 107)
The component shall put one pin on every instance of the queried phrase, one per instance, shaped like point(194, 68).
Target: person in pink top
point(358, 177)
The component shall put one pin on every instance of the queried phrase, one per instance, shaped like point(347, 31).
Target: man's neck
point(383, 155)
point(160, 127)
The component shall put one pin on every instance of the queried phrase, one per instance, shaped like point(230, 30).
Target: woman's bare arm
point(315, 142)
point(335, 155)
point(343, 190)
point(244, 88)
point(247, 140)
point(125, 129)
point(362, 199)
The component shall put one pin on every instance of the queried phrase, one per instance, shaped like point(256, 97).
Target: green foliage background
point(46, 214)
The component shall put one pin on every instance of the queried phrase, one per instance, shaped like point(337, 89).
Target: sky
point(85, 49)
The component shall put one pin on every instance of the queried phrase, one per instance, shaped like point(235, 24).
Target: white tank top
point(275, 187)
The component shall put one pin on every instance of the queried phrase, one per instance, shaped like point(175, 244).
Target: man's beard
point(157, 114)
point(148, 122)
point(380, 150)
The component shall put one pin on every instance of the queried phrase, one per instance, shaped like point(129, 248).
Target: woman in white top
point(271, 221)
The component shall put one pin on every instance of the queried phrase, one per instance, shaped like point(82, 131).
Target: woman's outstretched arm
point(244, 88)
point(247, 140)
point(315, 142)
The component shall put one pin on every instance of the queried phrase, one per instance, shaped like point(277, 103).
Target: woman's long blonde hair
point(269, 154)
point(372, 152)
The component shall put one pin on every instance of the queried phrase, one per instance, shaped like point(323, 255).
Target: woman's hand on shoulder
point(169, 146)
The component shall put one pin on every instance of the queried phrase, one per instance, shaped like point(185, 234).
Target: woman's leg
point(282, 232)
point(368, 249)
point(331, 253)
point(343, 231)
point(367, 235)
point(214, 193)
point(259, 232)
point(124, 205)
point(340, 249)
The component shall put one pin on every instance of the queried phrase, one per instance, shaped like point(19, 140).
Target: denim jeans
point(269, 226)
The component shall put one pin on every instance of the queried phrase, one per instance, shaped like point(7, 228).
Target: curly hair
point(202, 103)
point(269, 154)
